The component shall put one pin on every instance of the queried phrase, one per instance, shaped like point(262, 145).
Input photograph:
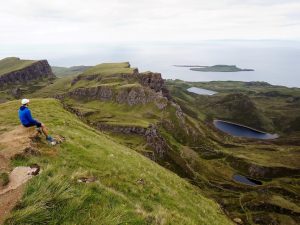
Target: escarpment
point(155, 141)
point(36, 70)
point(152, 80)
point(130, 95)
point(131, 88)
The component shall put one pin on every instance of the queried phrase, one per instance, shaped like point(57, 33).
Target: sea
point(273, 61)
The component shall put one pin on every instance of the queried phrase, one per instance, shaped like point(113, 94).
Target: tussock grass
point(4, 179)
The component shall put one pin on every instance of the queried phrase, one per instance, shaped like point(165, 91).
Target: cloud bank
point(117, 21)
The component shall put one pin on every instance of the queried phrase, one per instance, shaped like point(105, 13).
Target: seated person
point(27, 120)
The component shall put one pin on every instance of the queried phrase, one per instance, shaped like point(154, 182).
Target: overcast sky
point(117, 21)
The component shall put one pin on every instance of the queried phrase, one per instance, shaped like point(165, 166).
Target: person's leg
point(46, 133)
point(44, 130)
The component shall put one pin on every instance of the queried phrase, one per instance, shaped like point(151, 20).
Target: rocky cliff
point(152, 80)
point(36, 71)
point(155, 82)
point(131, 88)
point(153, 138)
point(130, 95)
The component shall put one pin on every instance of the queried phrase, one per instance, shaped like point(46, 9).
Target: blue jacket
point(25, 116)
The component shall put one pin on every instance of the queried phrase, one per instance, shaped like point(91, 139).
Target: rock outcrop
point(36, 71)
point(154, 140)
point(98, 77)
point(261, 172)
point(103, 93)
point(124, 95)
point(155, 82)
point(131, 96)
point(152, 80)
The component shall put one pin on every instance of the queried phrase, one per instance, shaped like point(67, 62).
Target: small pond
point(201, 91)
point(245, 180)
point(242, 131)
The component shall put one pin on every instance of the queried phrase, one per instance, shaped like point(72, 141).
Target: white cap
point(24, 101)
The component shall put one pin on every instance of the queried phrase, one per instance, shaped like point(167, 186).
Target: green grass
point(118, 114)
point(284, 203)
point(107, 69)
point(115, 198)
point(67, 71)
point(59, 86)
point(4, 179)
point(11, 64)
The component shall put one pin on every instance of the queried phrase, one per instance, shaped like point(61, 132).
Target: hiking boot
point(51, 140)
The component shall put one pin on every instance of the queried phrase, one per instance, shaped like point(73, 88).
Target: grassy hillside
point(110, 69)
point(117, 197)
point(256, 104)
point(59, 86)
point(11, 64)
point(117, 114)
point(66, 71)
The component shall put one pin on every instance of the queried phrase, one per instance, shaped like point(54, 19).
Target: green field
point(67, 71)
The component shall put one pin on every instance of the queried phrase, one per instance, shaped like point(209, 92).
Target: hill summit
point(17, 71)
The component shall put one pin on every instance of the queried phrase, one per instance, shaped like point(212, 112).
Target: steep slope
point(14, 70)
point(19, 77)
point(125, 186)
point(240, 108)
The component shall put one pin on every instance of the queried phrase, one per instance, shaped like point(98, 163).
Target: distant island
point(215, 68)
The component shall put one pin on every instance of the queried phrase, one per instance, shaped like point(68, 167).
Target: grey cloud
point(92, 21)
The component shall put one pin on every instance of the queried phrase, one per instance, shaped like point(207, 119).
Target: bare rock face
point(142, 88)
point(102, 93)
point(157, 143)
point(152, 80)
point(261, 172)
point(130, 96)
point(154, 139)
point(121, 129)
point(36, 71)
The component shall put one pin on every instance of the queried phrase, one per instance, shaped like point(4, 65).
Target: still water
point(201, 91)
point(242, 131)
point(245, 180)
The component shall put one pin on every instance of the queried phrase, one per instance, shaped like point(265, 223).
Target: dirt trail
point(12, 143)
point(8, 202)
